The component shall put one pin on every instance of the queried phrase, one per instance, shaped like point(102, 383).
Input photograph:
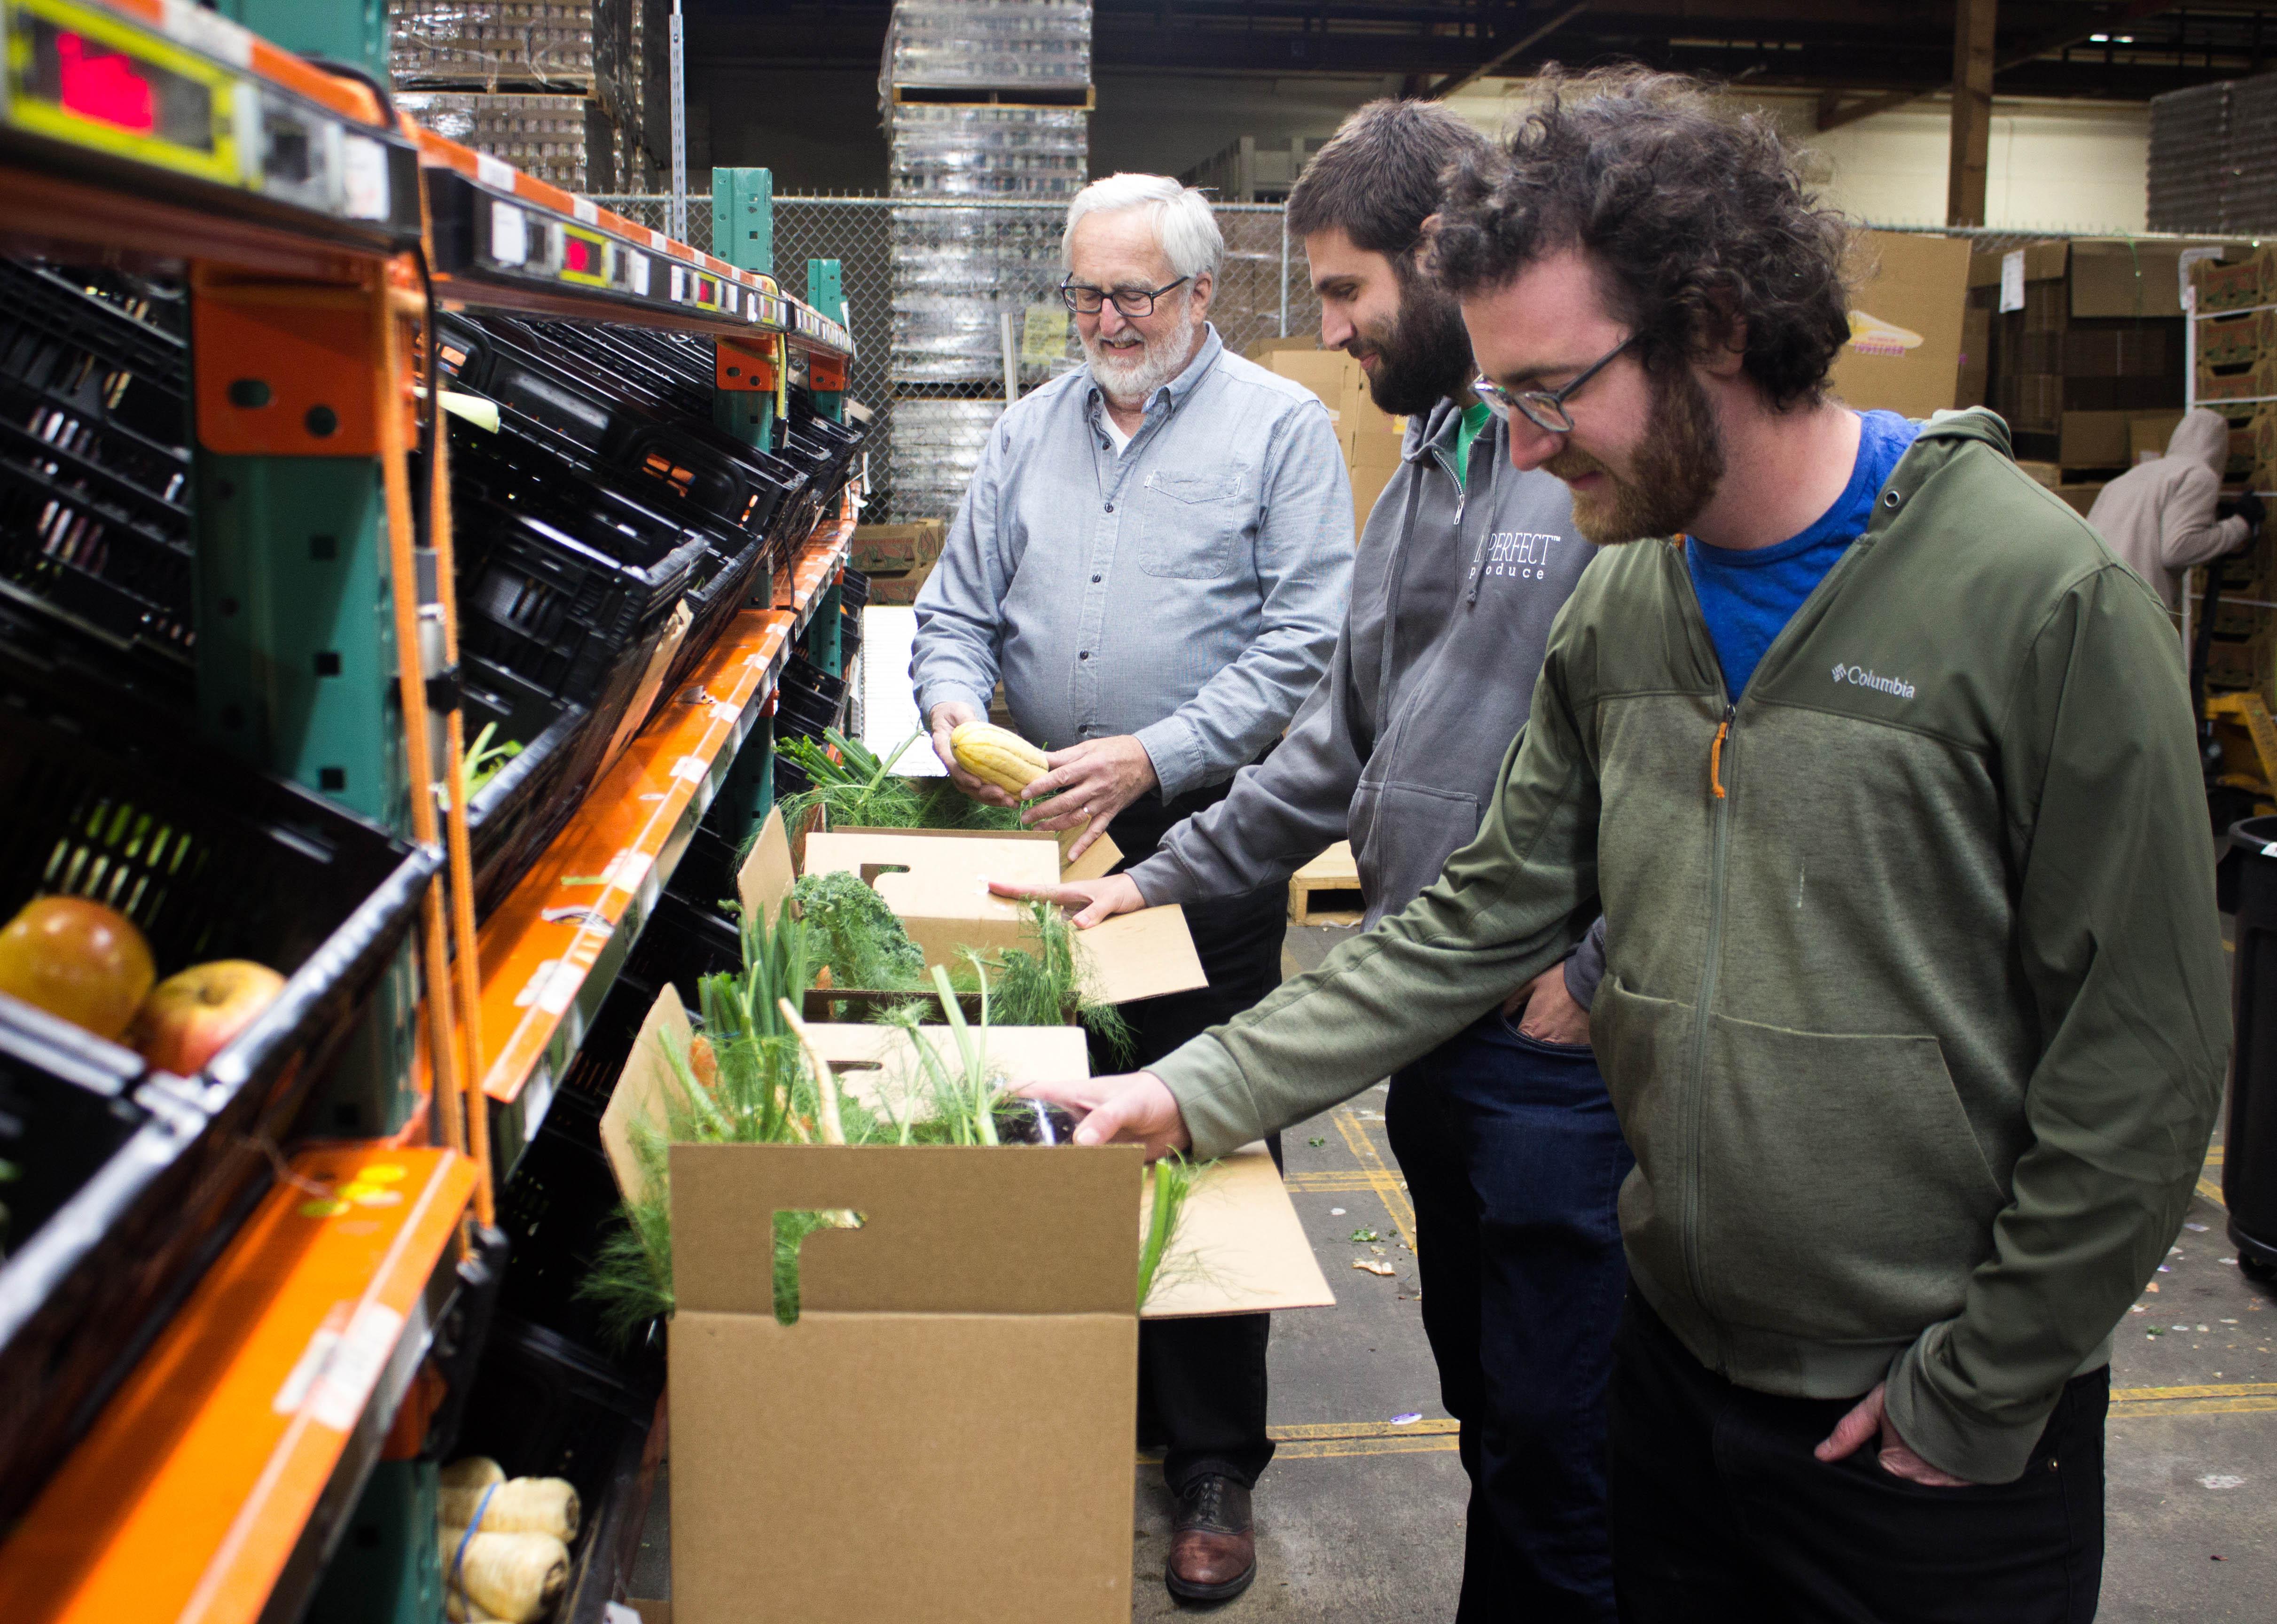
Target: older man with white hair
point(1154, 556)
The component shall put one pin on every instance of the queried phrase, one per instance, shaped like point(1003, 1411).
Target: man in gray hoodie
point(2159, 517)
point(1505, 1134)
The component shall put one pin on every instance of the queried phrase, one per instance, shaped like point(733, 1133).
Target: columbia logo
point(1858, 676)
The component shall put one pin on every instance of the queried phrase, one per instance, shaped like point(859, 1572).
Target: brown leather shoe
point(1213, 1546)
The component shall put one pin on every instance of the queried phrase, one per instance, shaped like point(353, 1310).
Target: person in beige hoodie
point(2159, 517)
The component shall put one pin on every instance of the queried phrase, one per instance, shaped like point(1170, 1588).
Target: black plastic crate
point(563, 395)
point(726, 585)
point(542, 1407)
point(95, 522)
point(210, 860)
point(853, 590)
point(513, 816)
point(96, 1249)
point(554, 606)
point(666, 376)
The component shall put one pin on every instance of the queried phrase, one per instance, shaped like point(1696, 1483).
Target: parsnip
point(472, 1472)
point(516, 1577)
point(518, 1505)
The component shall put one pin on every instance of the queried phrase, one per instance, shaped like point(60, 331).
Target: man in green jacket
point(1881, 769)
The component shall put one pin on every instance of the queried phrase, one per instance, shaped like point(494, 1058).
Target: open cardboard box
point(936, 882)
point(977, 1324)
point(1238, 1248)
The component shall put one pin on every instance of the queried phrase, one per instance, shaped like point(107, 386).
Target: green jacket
point(1915, 1011)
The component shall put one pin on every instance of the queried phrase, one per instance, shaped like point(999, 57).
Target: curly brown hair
point(1693, 211)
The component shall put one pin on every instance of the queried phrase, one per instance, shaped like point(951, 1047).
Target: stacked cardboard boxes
point(898, 558)
point(2095, 347)
point(965, 1287)
point(1369, 437)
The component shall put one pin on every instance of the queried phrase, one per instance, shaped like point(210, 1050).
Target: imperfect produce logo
point(1869, 335)
point(1523, 553)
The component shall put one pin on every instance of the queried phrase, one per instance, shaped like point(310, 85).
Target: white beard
point(1129, 375)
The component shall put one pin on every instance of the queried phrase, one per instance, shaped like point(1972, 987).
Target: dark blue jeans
point(1514, 1160)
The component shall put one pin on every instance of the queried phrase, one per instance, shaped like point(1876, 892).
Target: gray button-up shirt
point(1187, 591)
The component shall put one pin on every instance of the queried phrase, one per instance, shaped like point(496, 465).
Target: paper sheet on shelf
point(890, 706)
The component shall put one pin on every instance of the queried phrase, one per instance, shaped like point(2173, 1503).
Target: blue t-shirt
point(1748, 597)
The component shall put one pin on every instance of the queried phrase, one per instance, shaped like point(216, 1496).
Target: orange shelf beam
point(553, 949)
point(261, 1403)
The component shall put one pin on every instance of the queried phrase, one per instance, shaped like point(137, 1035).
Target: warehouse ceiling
point(2125, 50)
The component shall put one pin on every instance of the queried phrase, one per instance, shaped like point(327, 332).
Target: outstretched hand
point(1090, 901)
point(1868, 1419)
point(1136, 1110)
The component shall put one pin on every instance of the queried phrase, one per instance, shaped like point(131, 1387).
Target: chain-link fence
point(931, 407)
point(930, 283)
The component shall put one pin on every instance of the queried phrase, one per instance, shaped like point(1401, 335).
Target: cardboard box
point(2044, 261)
point(977, 1329)
point(2234, 285)
point(2116, 278)
point(936, 882)
point(897, 549)
point(2049, 474)
point(2242, 383)
point(2240, 340)
point(2082, 495)
point(2146, 439)
point(2095, 439)
point(1905, 347)
point(901, 589)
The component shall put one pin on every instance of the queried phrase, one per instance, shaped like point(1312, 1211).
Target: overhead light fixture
point(2098, 39)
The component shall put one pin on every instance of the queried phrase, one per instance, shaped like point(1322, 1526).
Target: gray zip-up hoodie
point(1456, 583)
point(2158, 517)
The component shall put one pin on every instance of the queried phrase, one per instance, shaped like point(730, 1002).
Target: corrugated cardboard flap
point(642, 1088)
point(945, 1231)
point(1238, 1248)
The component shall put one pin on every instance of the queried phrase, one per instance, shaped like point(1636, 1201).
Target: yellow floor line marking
point(2212, 1192)
point(1328, 1183)
point(1331, 1448)
point(2213, 1156)
point(1387, 1183)
point(2198, 1407)
point(1335, 1430)
point(2228, 1390)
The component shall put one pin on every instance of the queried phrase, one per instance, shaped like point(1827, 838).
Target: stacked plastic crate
point(548, 85)
point(986, 101)
point(2214, 157)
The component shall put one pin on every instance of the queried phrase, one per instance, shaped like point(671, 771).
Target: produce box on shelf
point(2237, 340)
point(2254, 381)
point(209, 861)
point(95, 522)
point(2234, 285)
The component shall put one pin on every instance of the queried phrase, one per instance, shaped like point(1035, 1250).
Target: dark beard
point(1678, 466)
point(1425, 358)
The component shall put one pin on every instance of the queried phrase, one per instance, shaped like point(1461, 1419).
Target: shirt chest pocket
point(1190, 522)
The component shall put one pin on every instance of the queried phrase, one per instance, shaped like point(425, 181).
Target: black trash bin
point(2248, 1168)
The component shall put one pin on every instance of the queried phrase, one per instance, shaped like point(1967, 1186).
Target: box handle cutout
point(793, 1225)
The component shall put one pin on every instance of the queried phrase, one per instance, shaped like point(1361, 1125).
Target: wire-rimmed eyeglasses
point(1136, 303)
point(1544, 408)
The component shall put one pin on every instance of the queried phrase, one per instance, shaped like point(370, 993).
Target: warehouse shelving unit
point(320, 235)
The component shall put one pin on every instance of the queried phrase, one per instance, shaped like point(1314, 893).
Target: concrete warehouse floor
point(1359, 1517)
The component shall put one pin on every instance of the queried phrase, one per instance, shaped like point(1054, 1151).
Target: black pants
point(1721, 1515)
point(1514, 1161)
point(1201, 1381)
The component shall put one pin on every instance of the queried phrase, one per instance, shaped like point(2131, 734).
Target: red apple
point(190, 1017)
point(76, 959)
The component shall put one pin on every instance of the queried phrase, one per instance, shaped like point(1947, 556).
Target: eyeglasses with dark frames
point(1134, 303)
point(1544, 408)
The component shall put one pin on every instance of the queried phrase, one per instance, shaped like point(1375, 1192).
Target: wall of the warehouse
point(2079, 165)
point(818, 129)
